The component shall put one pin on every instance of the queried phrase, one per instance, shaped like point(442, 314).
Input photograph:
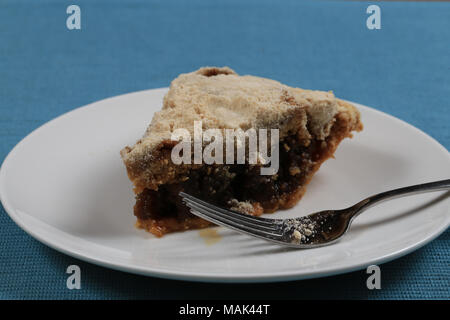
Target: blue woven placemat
point(124, 46)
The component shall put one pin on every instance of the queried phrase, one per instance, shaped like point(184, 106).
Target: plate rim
point(192, 275)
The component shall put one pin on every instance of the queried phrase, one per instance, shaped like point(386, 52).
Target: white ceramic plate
point(66, 186)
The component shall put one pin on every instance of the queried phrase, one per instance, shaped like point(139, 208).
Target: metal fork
point(315, 230)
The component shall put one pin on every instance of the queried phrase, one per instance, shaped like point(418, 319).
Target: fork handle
point(398, 193)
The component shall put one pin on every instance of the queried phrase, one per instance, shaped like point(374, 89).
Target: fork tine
point(231, 224)
point(246, 217)
point(212, 209)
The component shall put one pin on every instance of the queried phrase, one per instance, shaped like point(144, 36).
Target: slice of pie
point(311, 124)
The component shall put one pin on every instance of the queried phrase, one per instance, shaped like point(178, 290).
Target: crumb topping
point(220, 98)
point(241, 206)
point(300, 229)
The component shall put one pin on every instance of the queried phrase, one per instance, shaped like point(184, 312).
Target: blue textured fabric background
point(124, 46)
